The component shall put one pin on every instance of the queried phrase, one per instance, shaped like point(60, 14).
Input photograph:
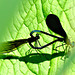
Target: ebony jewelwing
point(10, 46)
point(54, 24)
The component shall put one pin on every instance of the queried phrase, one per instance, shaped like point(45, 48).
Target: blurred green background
point(7, 10)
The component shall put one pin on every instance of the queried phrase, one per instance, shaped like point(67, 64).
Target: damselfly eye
point(54, 24)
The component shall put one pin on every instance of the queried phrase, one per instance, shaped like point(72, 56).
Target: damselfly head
point(73, 44)
point(54, 24)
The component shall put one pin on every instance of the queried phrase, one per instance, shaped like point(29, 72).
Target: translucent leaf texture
point(31, 15)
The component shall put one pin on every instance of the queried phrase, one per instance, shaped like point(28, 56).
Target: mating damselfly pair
point(53, 24)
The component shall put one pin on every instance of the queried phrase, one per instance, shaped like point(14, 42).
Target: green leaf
point(30, 15)
point(69, 65)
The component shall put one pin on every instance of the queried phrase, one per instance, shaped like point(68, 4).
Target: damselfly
point(54, 24)
point(9, 46)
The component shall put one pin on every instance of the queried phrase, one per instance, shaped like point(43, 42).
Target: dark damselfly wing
point(54, 24)
point(9, 46)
